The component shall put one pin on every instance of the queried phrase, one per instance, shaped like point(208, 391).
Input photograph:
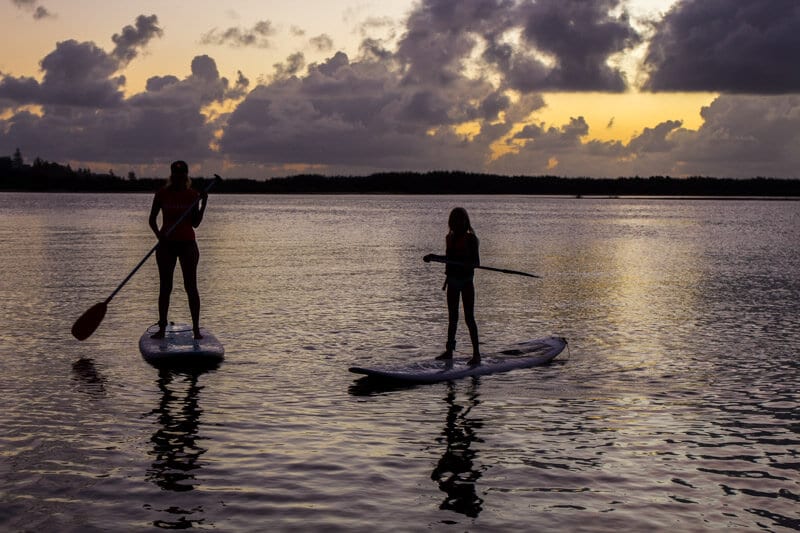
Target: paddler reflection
point(176, 450)
point(456, 472)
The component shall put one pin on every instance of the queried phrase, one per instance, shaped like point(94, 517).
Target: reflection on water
point(677, 409)
point(176, 442)
point(456, 472)
point(89, 380)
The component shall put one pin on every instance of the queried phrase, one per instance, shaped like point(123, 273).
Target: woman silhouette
point(177, 241)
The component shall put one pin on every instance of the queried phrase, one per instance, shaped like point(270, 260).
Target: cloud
point(322, 43)
point(39, 11)
point(743, 136)
point(132, 38)
point(580, 37)
point(84, 115)
point(726, 46)
point(655, 139)
point(159, 124)
point(293, 66)
point(458, 88)
point(75, 74)
point(257, 36)
point(553, 45)
point(82, 74)
point(343, 114)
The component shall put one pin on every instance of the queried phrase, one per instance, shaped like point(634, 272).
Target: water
point(676, 407)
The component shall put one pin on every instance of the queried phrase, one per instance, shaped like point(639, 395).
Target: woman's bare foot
point(197, 334)
point(447, 354)
point(158, 334)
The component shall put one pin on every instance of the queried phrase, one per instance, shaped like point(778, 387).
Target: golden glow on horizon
point(302, 167)
point(620, 117)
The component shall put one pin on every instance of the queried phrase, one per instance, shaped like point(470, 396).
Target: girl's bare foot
point(447, 354)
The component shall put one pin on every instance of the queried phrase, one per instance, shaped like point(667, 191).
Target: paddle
point(88, 321)
point(442, 259)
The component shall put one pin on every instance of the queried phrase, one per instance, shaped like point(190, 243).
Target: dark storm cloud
point(566, 44)
point(742, 136)
point(81, 74)
point(728, 46)
point(580, 37)
point(394, 108)
point(154, 125)
point(745, 133)
point(132, 38)
point(257, 36)
point(84, 114)
point(450, 93)
point(442, 34)
point(342, 113)
point(75, 74)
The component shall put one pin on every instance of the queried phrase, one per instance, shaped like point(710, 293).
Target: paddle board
point(522, 355)
point(179, 347)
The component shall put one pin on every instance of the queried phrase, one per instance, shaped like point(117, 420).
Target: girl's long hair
point(459, 221)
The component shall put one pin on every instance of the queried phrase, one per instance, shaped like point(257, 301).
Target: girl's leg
point(166, 259)
point(189, 258)
point(468, 297)
point(452, 321)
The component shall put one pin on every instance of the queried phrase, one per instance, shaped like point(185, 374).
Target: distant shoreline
point(58, 179)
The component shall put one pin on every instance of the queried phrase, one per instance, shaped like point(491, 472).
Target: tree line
point(45, 176)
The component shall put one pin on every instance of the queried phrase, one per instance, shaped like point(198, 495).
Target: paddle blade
point(88, 321)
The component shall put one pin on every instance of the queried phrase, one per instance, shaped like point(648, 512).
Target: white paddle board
point(522, 355)
point(179, 347)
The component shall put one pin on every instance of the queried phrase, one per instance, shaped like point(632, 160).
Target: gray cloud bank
point(398, 105)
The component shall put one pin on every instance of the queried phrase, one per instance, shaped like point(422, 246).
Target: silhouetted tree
point(16, 161)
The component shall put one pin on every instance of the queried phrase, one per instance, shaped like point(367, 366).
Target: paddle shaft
point(443, 259)
point(154, 248)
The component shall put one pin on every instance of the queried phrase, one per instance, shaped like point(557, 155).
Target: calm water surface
point(676, 407)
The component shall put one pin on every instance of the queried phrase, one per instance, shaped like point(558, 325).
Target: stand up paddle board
point(179, 347)
point(523, 355)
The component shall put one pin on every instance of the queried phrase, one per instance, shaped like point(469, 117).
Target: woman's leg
point(189, 258)
point(468, 297)
point(166, 259)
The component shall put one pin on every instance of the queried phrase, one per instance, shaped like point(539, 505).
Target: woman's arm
point(197, 216)
point(153, 220)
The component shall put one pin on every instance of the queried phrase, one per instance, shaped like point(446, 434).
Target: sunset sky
point(247, 88)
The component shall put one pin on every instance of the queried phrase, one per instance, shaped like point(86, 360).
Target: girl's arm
point(475, 257)
point(433, 257)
